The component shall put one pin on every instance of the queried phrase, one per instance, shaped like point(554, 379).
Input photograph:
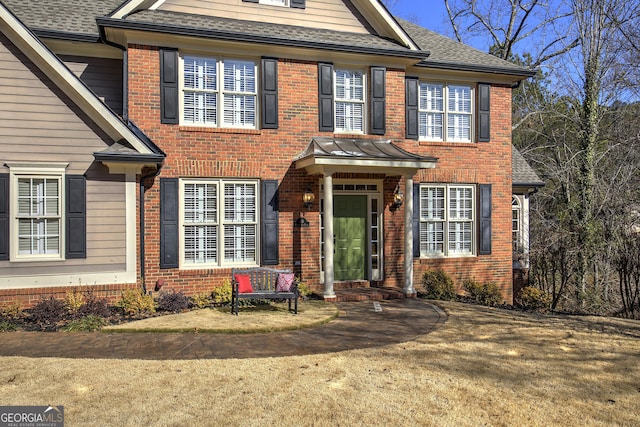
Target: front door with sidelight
point(350, 230)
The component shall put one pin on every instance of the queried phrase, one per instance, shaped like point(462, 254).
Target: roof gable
point(349, 16)
point(67, 82)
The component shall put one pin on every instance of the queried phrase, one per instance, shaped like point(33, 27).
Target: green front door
point(350, 230)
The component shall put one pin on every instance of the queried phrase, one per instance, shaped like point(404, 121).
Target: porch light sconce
point(308, 197)
point(398, 198)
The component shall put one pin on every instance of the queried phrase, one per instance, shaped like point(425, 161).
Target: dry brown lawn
point(482, 367)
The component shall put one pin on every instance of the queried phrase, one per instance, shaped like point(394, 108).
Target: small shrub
point(135, 302)
point(88, 323)
point(531, 298)
point(304, 290)
point(437, 285)
point(48, 312)
point(74, 300)
point(201, 300)
point(173, 301)
point(12, 311)
point(7, 326)
point(487, 294)
point(94, 306)
point(222, 293)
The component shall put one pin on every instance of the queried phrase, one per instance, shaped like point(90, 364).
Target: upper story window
point(445, 112)
point(219, 92)
point(275, 2)
point(349, 101)
point(447, 220)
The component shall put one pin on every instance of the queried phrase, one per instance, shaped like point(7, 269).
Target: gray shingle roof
point(448, 53)
point(233, 29)
point(522, 174)
point(64, 16)
point(77, 19)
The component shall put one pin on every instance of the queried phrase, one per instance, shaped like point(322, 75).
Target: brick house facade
point(420, 114)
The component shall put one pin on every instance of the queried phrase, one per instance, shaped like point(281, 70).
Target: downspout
point(142, 257)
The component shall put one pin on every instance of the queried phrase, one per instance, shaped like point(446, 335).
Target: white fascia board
point(133, 6)
point(379, 17)
point(59, 74)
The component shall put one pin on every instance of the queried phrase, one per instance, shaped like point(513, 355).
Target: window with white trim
point(516, 214)
point(445, 112)
point(37, 212)
point(447, 220)
point(275, 2)
point(349, 101)
point(219, 222)
point(219, 92)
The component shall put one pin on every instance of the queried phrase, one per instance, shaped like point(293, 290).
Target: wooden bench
point(263, 283)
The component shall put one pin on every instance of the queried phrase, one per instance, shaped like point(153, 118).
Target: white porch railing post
point(328, 236)
point(408, 236)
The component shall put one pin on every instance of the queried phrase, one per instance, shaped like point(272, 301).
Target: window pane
point(200, 73)
point(460, 203)
point(200, 203)
point(460, 237)
point(349, 85)
point(431, 97)
point(459, 99)
point(240, 243)
point(459, 127)
point(200, 244)
point(239, 110)
point(240, 202)
point(239, 76)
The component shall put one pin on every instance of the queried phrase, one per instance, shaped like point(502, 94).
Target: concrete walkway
point(359, 325)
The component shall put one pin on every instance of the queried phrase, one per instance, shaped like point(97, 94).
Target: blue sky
point(430, 14)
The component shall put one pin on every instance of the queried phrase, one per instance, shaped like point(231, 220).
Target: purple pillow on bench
point(285, 281)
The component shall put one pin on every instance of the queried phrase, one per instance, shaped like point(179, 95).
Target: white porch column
point(328, 236)
point(408, 236)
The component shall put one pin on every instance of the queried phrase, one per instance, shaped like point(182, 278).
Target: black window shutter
point(169, 86)
point(411, 108)
point(416, 220)
point(298, 4)
point(4, 216)
point(484, 116)
point(269, 211)
point(378, 100)
point(325, 96)
point(76, 217)
point(269, 93)
point(169, 222)
point(485, 219)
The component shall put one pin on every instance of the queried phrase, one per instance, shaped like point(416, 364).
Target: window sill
point(424, 259)
point(448, 144)
point(220, 130)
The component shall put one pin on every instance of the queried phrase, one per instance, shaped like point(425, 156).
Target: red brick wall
point(268, 154)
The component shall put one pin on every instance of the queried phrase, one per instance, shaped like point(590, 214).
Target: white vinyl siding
point(219, 92)
point(349, 101)
point(445, 112)
point(446, 220)
point(220, 223)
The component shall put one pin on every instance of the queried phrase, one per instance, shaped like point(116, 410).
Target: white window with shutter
point(219, 221)
point(219, 92)
point(447, 220)
point(445, 112)
point(349, 101)
point(37, 212)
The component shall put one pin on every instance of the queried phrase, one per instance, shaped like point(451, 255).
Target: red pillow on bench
point(244, 283)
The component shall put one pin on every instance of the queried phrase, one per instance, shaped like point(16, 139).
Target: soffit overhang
point(326, 155)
